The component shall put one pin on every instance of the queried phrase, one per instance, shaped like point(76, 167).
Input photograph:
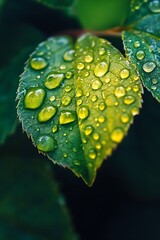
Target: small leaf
point(142, 45)
point(31, 206)
point(56, 4)
point(77, 102)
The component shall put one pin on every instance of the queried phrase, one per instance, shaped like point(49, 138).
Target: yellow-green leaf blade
point(108, 95)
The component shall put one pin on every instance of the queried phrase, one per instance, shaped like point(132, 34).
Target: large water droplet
point(154, 6)
point(149, 67)
point(88, 58)
point(83, 112)
point(69, 55)
point(38, 63)
point(129, 100)
point(53, 80)
point(101, 69)
point(92, 154)
point(96, 84)
point(46, 143)
point(66, 100)
point(34, 97)
point(124, 73)
point(47, 113)
point(88, 130)
point(67, 117)
point(117, 135)
point(140, 55)
point(120, 92)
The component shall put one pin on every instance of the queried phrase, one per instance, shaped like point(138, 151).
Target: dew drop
point(55, 128)
point(68, 88)
point(154, 6)
point(80, 66)
point(117, 135)
point(102, 106)
point(78, 93)
point(94, 98)
point(68, 75)
point(53, 80)
point(135, 111)
point(96, 136)
point(46, 143)
point(102, 51)
point(88, 130)
point(149, 67)
point(46, 113)
point(154, 81)
point(135, 88)
point(69, 55)
point(83, 112)
point(136, 44)
point(92, 154)
point(63, 67)
point(79, 102)
point(101, 69)
point(120, 92)
point(111, 100)
point(125, 118)
point(101, 119)
point(38, 63)
point(88, 58)
point(52, 98)
point(65, 155)
point(98, 146)
point(153, 87)
point(129, 100)
point(67, 117)
point(66, 100)
point(140, 55)
point(34, 97)
point(124, 73)
point(96, 84)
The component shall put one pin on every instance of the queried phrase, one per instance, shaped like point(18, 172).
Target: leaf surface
point(77, 102)
point(142, 44)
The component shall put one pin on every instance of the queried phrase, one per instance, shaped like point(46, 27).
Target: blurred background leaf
point(56, 4)
point(31, 206)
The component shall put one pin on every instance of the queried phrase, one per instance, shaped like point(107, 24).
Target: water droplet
point(55, 128)
point(86, 74)
point(140, 55)
point(76, 163)
point(129, 100)
point(98, 146)
point(69, 55)
point(153, 87)
point(80, 66)
point(120, 92)
point(67, 117)
point(136, 44)
point(83, 112)
point(135, 88)
point(124, 73)
point(38, 63)
point(34, 97)
point(68, 88)
point(65, 155)
point(68, 75)
point(78, 93)
point(110, 100)
point(88, 58)
point(96, 136)
point(92, 154)
point(101, 119)
point(88, 130)
point(101, 69)
point(154, 6)
point(53, 80)
point(52, 98)
point(94, 98)
point(117, 135)
point(46, 113)
point(102, 51)
point(62, 67)
point(102, 106)
point(107, 80)
point(135, 111)
point(79, 102)
point(46, 143)
point(149, 67)
point(66, 100)
point(125, 118)
point(96, 84)
point(154, 81)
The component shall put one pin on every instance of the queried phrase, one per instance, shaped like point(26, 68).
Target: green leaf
point(56, 4)
point(142, 45)
point(31, 206)
point(108, 13)
point(77, 110)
